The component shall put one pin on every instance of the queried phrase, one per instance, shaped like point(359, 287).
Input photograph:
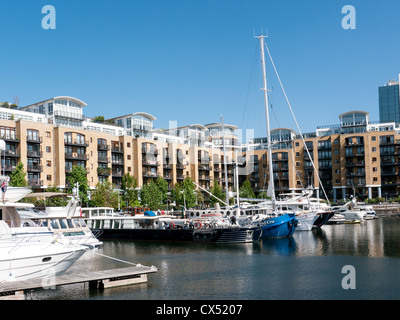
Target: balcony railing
point(35, 168)
point(76, 156)
point(79, 143)
point(31, 139)
point(34, 154)
point(103, 146)
point(35, 182)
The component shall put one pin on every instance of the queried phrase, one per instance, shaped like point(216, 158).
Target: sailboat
point(279, 225)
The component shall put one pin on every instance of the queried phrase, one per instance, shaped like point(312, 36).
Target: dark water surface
point(306, 266)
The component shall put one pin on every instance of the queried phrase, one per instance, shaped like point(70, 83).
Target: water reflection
point(308, 265)
point(372, 238)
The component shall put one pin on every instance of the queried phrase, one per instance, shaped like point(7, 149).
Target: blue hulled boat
point(278, 227)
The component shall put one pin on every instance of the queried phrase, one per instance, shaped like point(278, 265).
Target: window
point(48, 163)
point(374, 169)
point(48, 134)
point(373, 149)
point(48, 177)
point(50, 108)
point(373, 138)
point(129, 157)
point(128, 144)
point(32, 135)
point(48, 149)
point(373, 159)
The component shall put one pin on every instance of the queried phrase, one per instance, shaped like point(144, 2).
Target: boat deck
point(96, 279)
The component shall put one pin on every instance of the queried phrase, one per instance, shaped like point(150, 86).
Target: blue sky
point(192, 60)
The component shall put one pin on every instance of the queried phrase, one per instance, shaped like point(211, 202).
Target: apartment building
point(355, 157)
point(53, 136)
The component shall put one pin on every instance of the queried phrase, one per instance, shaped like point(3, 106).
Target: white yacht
point(350, 211)
point(31, 252)
point(65, 221)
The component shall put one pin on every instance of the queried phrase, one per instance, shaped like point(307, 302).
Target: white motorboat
point(351, 211)
point(28, 252)
point(370, 213)
point(65, 221)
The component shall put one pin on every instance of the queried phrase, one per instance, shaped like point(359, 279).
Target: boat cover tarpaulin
point(149, 213)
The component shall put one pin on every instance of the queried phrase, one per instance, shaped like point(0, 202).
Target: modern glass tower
point(389, 102)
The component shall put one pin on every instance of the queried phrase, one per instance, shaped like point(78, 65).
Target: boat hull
point(279, 227)
point(213, 235)
point(37, 261)
point(305, 221)
point(323, 218)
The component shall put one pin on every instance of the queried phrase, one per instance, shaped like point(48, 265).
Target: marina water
point(307, 266)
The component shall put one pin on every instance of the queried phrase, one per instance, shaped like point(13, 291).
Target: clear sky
point(192, 60)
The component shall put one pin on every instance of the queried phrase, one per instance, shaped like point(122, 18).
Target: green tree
point(262, 195)
point(55, 201)
point(162, 185)
point(104, 196)
point(245, 190)
point(151, 195)
point(78, 175)
point(98, 119)
point(129, 185)
point(189, 190)
point(218, 192)
point(176, 194)
point(17, 177)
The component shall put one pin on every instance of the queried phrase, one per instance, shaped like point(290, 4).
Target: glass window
point(63, 223)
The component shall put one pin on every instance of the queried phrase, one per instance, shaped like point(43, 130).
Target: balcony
point(119, 162)
point(204, 167)
point(10, 138)
point(103, 147)
point(35, 168)
point(103, 171)
point(103, 159)
point(12, 153)
point(149, 150)
point(150, 175)
point(78, 143)
point(205, 178)
point(150, 163)
point(117, 173)
point(32, 139)
point(35, 183)
point(10, 168)
point(34, 154)
point(117, 149)
point(76, 156)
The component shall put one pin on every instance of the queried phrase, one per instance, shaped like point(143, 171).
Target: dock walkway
point(96, 279)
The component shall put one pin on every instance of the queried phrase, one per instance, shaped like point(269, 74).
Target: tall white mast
point(271, 186)
point(225, 164)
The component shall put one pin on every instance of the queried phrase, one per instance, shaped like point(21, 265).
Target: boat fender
point(197, 225)
point(233, 220)
point(172, 225)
